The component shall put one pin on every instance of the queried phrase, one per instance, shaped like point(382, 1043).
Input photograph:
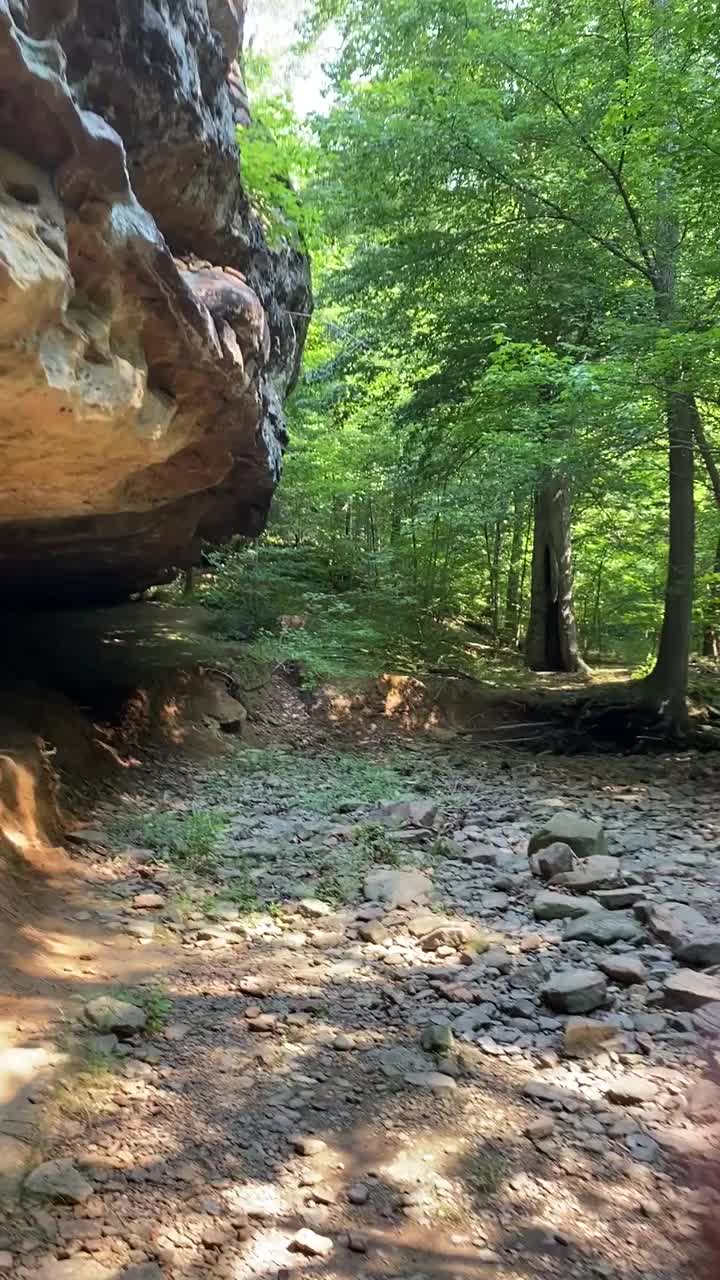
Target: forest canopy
point(509, 413)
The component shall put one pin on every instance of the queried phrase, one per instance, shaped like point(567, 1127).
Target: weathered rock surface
point(597, 872)
point(553, 860)
point(603, 927)
point(58, 1180)
point(689, 990)
point(148, 333)
point(561, 906)
point(585, 836)
point(109, 1014)
point(584, 1037)
point(576, 990)
point(397, 888)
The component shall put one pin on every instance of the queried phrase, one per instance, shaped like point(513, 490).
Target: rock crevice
point(148, 333)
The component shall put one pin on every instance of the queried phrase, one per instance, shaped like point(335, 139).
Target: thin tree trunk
point(711, 623)
point(512, 589)
point(552, 633)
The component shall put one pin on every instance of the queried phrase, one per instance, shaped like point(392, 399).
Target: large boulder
point(585, 836)
point(148, 332)
point(397, 888)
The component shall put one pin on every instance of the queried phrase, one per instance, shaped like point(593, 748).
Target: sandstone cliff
point(148, 333)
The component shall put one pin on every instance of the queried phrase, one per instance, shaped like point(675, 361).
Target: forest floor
point(279, 1114)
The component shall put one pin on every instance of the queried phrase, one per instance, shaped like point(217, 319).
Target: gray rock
point(624, 969)
point(435, 1080)
point(670, 922)
point(575, 990)
point(58, 1180)
point(597, 872)
point(417, 813)
point(689, 990)
point(700, 948)
point(585, 836)
point(553, 860)
point(397, 888)
point(603, 927)
point(358, 1194)
point(642, 1147)
point(631, 1090)
point(141, 1271)
point(619, 899)
point(561, 906)
point(108, 1014)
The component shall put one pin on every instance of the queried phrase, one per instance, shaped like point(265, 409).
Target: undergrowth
point(155, 1003)
point(187, 840)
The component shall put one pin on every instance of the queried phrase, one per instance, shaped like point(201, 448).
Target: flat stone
point(575, 990)
point(603, 927)
point(631, 1090)
point(58, 1180)
point(585, 836)
point(149, 901)
point(397, 888)
point(416, 813)
point(108, 1014)
point(540, 1129)
point(623, 969)
point(6, 1261)
point(435, 1080)
point(313, 908)
point(619, 899)
point(561, 906)
point(141, 929)
point(699, 948)
point(308, 1145)
point(689, 990)
point(311, 1244)
point(670, 922)
point(454, 933)
point(76, 1268)
point(553, 860)
point(597, 872)
point(141, 1271)
point(419, 926)
point(374, 932)
point(584, 1037)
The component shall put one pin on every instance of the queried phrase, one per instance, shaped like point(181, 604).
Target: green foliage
point(187, 840)
point(276, 156)
point(154, 1001)
point(489, 1170)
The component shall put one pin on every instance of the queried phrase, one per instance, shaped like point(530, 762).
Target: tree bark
point(512, 589)
point(711, 621)
point(552, 634)
point(667, 684)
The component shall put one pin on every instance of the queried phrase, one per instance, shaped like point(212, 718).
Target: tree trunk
point(512, 589)
point(711, 621)
point(667, 684)
point(552, 634)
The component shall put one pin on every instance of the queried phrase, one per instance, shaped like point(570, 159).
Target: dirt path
point(334, 1085)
